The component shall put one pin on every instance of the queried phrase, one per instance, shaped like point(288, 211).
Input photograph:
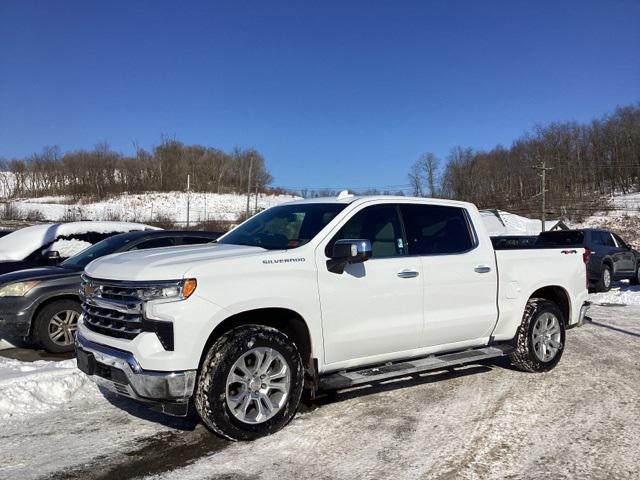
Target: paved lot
point(582, 420)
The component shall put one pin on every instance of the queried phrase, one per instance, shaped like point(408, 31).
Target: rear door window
point(437, 230)
point(604, 238)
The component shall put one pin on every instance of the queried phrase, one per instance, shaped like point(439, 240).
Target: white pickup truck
point(320, 294)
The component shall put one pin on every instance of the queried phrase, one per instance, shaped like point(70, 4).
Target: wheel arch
point(557, 295)
point(45, 303)
point(288, 321)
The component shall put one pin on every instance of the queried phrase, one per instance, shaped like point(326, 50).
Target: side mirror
point(53, 257)
point(348, 251)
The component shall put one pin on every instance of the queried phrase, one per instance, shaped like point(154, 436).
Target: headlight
point(179, 291)
point(17, 289)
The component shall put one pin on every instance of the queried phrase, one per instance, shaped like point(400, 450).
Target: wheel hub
point(258, 385)
point(546, 337)
point(62, 327)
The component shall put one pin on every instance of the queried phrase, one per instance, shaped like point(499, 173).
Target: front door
point(626, 255)
point(374, 308)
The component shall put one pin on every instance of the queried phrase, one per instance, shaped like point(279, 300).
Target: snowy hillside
point(147, 207)
point(622, 218)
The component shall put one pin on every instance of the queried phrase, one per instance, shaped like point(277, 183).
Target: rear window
point(562, 238)
point(436, 229)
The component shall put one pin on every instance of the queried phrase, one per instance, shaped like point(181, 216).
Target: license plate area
point(86, 362)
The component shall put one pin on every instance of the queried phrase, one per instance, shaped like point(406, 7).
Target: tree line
point(101, 172)
point(585, 162)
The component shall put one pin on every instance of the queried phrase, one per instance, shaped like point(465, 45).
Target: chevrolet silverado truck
point(321, 294)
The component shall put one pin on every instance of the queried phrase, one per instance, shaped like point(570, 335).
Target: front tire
point(250, 383)
point(606, 277)
point(56, 324)
point(635, 280)
point(539, 343)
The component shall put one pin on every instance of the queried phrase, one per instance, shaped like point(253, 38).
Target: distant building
point(501, 223)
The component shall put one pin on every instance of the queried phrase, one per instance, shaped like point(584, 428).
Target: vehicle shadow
point(611, 327)
point(143, 412)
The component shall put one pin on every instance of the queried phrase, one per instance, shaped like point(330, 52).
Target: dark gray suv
point(607, 256)
point(42, 304)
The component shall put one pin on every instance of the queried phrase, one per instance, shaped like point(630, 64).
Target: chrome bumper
point(583, 313)
point(118, 371)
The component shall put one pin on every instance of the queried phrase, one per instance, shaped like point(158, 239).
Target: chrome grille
point(111, 309)
point(116, 309)
point(112, 322)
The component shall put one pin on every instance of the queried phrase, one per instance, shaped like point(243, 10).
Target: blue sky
point(333, 94)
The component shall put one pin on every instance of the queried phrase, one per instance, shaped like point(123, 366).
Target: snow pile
point(67, 248)
point(151, 206)
point(624, 295)
point(29, 388)
point(21, 243)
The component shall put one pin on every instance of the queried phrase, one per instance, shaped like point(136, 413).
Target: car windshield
point(100, 249)
point(284, 227)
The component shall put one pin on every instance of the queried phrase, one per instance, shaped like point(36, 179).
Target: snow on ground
point(582, 420)
point(32, 388)
point(624, 294)
point(150, 206)
point(21, 243)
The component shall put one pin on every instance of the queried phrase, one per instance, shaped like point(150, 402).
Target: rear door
point(460, 278)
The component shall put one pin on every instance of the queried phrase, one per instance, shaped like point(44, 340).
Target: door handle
point(408, 273)
point(482, 269)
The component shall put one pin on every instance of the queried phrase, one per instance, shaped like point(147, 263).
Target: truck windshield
point(284, 227)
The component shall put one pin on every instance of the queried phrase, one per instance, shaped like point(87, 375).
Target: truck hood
point(170, 263)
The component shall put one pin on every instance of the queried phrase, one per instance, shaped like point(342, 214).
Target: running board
point(346, 379)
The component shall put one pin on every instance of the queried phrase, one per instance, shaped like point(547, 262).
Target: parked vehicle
point(42, 303)
point(320, 294)
point(513, 241)
point(608, 257)
point(49, 244)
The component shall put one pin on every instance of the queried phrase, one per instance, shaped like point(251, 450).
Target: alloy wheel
point(546, 337)
point(258, 385)
point(63, 326)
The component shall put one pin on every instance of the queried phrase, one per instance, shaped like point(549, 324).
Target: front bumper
point(15, 317)
point(118, 371)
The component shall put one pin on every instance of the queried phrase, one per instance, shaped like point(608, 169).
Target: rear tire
point(56, 324)
point(606, 278)
point(242, 392)
point(540, 338)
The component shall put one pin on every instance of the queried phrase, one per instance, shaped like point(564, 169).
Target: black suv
point(607, 256)
point(42, 304)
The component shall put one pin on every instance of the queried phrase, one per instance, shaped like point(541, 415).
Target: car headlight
point(178, 291)
point(17, 289)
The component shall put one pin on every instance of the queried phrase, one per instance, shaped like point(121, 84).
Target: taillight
point(586, 256)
